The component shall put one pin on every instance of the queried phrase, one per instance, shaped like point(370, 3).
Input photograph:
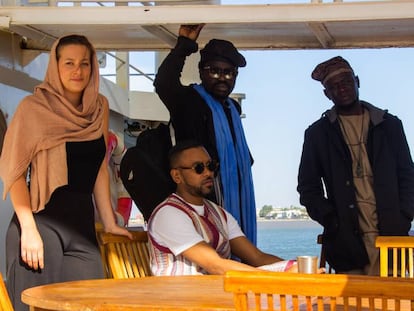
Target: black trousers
point(70, 249)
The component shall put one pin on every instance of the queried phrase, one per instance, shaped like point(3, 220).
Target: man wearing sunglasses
point(205, 112)
point(191, 235)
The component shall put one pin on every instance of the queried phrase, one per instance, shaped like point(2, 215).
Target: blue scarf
point(235, 161)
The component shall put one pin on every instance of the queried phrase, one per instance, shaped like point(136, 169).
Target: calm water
point(288, 239)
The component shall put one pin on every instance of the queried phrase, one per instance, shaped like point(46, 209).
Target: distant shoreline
point(283, 219)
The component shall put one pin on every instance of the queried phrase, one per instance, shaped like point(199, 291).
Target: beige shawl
point(42, 124)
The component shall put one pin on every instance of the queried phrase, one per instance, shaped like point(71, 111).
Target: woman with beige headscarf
point(52, 165)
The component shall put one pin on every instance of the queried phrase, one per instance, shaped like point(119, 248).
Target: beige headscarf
point(42, 124)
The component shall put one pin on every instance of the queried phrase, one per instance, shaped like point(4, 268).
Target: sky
point(282, 100)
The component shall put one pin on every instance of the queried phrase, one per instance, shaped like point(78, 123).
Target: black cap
point(222, 50)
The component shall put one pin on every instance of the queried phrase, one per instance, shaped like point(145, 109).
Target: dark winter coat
point(326, 188)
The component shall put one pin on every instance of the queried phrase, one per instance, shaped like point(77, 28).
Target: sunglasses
point(215, 72)
point(199, 167)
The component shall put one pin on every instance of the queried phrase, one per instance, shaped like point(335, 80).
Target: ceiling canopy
point(368, 24)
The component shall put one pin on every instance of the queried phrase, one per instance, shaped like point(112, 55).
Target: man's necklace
point(359, 169)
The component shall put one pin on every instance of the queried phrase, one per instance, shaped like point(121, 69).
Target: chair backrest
point(5, 303)
point(294, 291)
point(125, 258)
point(396, 252)
point(322, 257)
point(99, 229)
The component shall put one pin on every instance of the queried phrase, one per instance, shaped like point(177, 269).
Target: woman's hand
point(31, 247)
point(31, 243)
point(119, 231)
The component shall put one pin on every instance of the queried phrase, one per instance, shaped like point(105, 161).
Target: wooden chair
point(396, 251)
point(124, 258)
point(5, 303)
point(322, 257)
point(322, 292)
point(100, 229)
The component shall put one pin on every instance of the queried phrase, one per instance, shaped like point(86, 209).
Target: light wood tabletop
point(148, 293)
point(180, 293)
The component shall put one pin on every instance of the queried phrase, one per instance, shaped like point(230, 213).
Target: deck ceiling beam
point(273, 26)
point(322, 34)
point(228, 14)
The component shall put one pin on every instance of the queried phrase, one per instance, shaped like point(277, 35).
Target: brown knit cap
point(330, 68)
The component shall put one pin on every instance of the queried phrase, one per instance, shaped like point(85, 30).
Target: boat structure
point(119, 28)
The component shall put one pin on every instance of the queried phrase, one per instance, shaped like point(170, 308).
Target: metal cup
point(307, 264)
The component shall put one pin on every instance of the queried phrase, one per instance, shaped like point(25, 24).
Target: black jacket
point(190, 115)
point(326, 162)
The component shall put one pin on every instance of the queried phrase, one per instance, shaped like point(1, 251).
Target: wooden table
point(196, 293)
point(149, 293)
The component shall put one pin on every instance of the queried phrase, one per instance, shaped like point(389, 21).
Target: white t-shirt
point(174, 229)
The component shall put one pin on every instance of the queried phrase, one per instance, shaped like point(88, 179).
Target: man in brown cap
point(205, 113)
point(356, 176)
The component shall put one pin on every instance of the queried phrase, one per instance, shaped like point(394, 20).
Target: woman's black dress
point(66, 225)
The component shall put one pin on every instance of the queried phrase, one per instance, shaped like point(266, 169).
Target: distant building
point(292, 212)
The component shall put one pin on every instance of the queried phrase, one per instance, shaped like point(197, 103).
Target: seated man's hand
point(294, 269)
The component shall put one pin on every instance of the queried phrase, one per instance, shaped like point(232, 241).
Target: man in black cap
point(205, 113)
point(356, 176)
